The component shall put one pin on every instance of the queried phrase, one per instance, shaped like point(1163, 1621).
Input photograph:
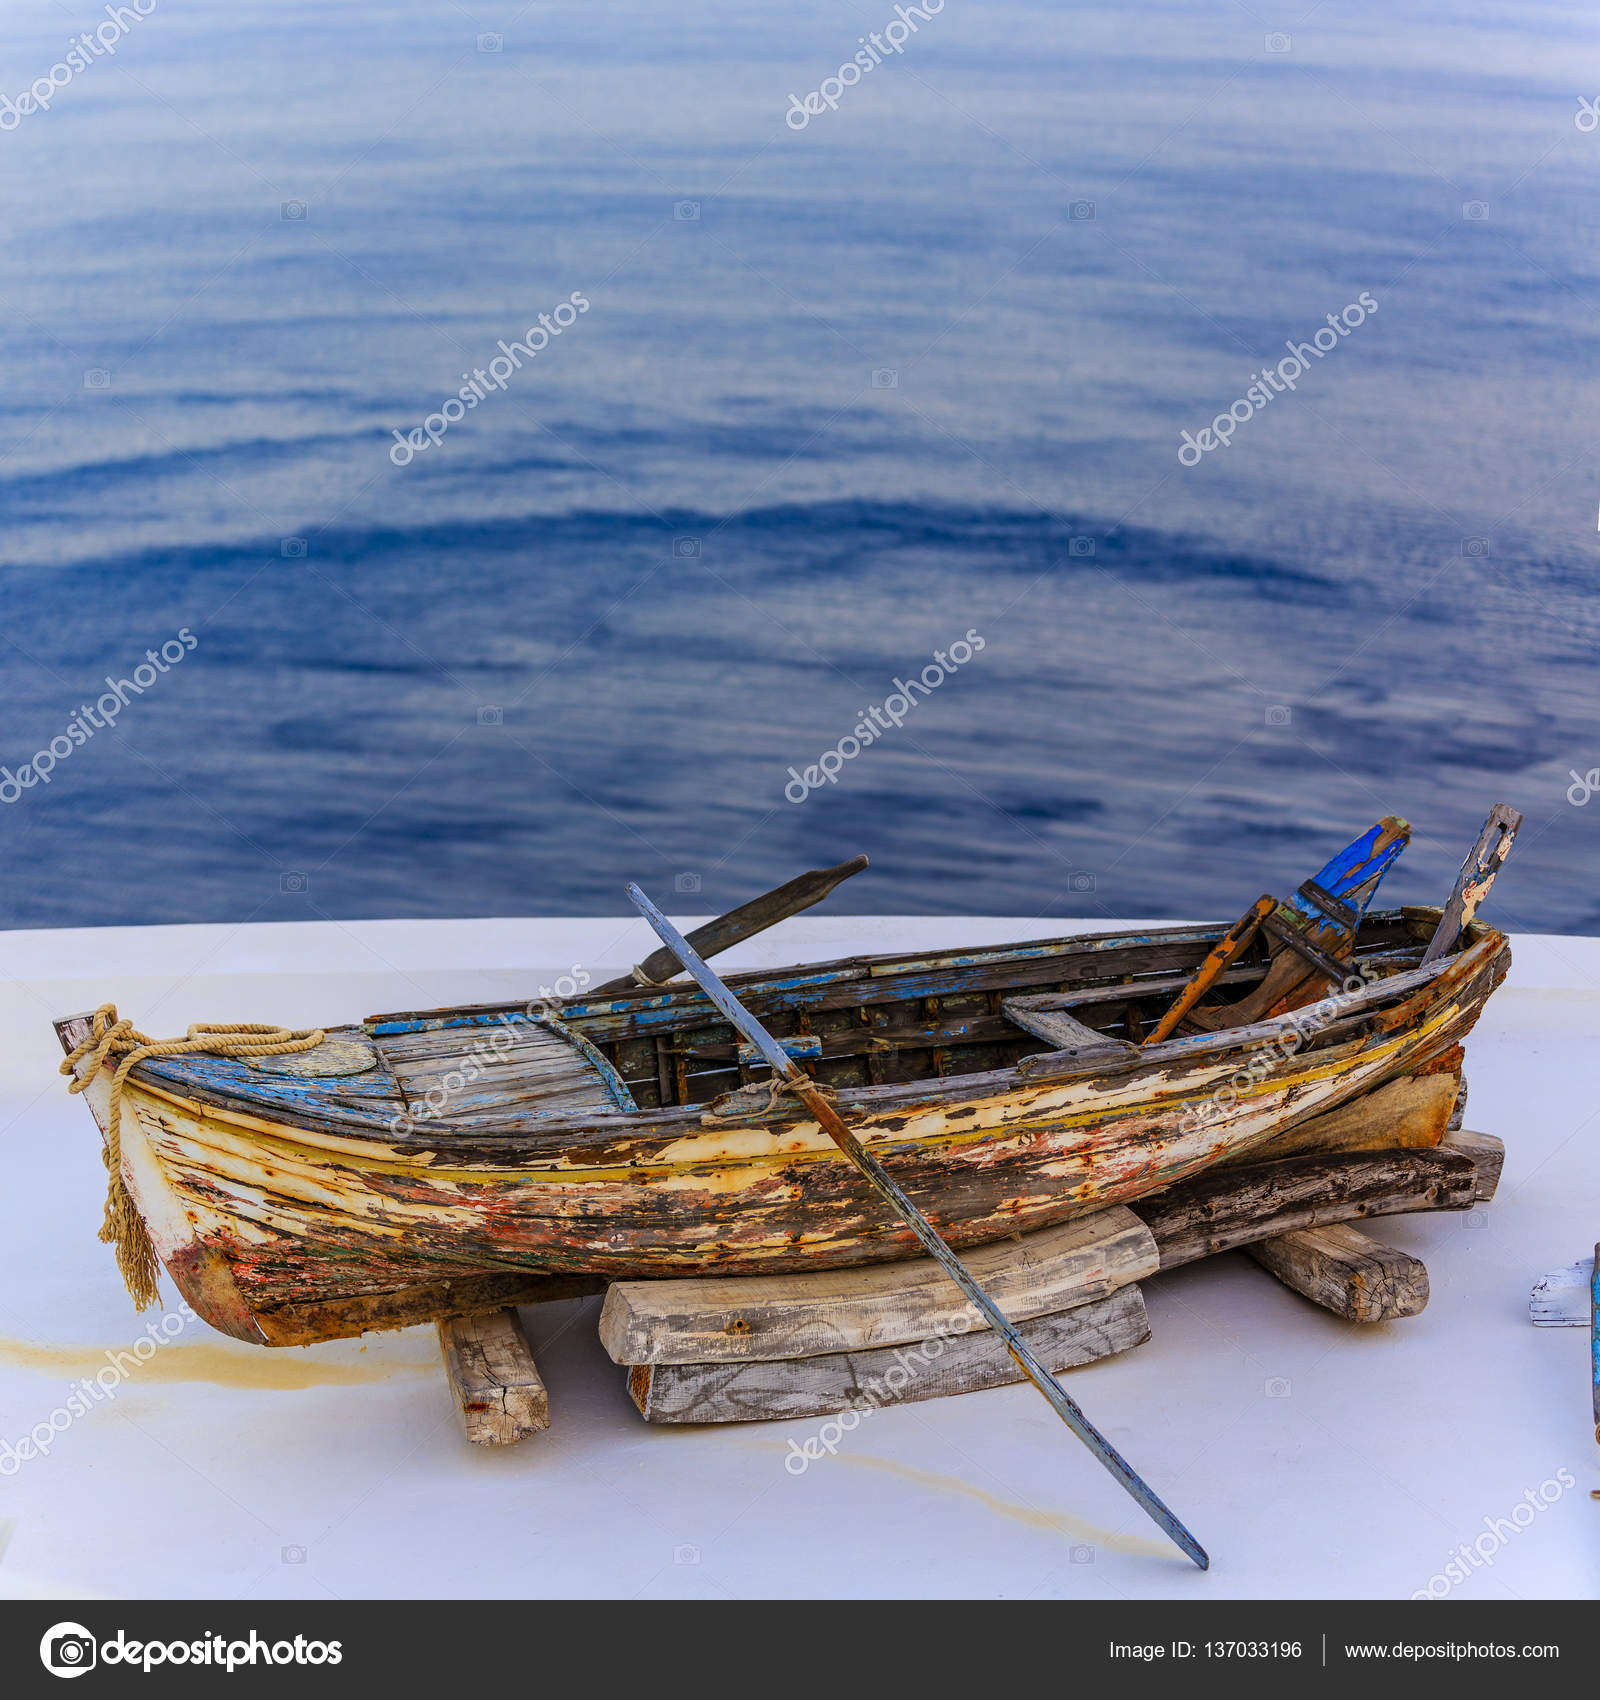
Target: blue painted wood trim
point(614, 1083)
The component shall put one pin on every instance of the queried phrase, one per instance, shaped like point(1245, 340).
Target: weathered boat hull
point(277, 1230)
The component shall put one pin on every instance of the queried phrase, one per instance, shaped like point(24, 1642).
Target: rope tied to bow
point(117, 1044)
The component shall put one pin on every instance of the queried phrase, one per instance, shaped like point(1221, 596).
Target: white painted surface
point(1313, 1457)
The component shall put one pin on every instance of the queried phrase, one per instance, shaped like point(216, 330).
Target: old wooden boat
point(431, 1164)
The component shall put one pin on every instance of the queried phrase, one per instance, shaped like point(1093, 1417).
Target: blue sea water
point(841, 395)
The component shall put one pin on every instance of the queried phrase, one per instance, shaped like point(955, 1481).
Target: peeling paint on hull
point(250, 1214)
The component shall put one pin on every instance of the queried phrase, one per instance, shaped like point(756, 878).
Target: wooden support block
point(1486, 1151)
point(1343, 1270)
point(763, 1390)
point(1458, 1115)
point(494, 1377)
point(1404, 1114)
point(1226, 1208)
point(737, 1319)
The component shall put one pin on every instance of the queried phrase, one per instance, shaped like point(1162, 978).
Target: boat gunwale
point(686, 994)
point(441, 1140)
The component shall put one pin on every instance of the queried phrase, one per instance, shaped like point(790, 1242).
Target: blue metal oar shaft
point(889, 1190)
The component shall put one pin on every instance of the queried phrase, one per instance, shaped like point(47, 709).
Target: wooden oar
point(802, 892)
point(887, 1189)
point(1484, 861)
point(1232, 942)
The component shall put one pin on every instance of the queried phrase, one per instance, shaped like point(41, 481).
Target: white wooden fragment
point(1562, 1299)
point(1486, 1151)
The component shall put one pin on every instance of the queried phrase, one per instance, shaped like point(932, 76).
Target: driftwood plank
point(494, 1377)
point(1484, 861)
point(1347, 1272)
point(737, 1319)
point(1486, 1151)
point(815, 1386)
point(1220, 1210)
point(1046, 1019)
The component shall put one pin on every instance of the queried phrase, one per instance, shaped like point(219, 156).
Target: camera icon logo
point(1081, 209)
point(686, 212)
point(686, 548)
point(1080, 546)
point(1476, 1219)
point(686, 883)
point(295, 211)
point(1278, 42)
point(1279, 715)
point(1082, 1555)
point(1475, 209)
point(491, 42)
point(68, 1649)
point(1082, 881)
point(686, 1555)
point(292, 1555)
point(292, 548)
point(491, 714)
point(1476, 547)
point(292, 883)
point(885, 378)
point(1277, 1387)
point(97, 378)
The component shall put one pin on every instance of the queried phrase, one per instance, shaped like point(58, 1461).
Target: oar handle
point(1230, 945)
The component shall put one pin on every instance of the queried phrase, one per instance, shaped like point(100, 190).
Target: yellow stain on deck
point(1055, 1522)
point(284, 1369)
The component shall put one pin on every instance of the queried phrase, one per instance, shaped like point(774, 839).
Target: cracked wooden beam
point(494, 1378)
point(1347, 1272)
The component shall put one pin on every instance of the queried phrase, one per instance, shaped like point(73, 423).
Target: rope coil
point(110, 1038)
